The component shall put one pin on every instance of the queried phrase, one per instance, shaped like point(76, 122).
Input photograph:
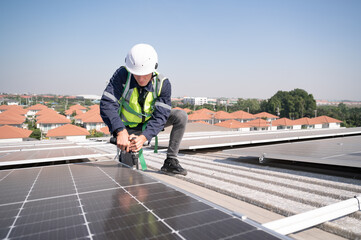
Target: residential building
point(284, 124)
point(267, 116)
point(34, 109)
point(243, 116)
point(304, 123)
point(50, 121)
point(221, 116)
point(77, 109)
point(259, 125)
point(234, 124)
point(13, 134)
point(326, 122)
point(91, 119)
point(13, 117)
point(69, 132)
point(195, 100)
point(201, 116)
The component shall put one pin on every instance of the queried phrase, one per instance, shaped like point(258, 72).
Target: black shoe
point(172, 166)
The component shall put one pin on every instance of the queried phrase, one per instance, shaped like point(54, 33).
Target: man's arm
point(109, 107)
point(161, 113)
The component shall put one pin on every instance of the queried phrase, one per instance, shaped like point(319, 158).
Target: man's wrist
point(116, 131)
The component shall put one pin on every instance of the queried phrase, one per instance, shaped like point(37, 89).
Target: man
point(136, 106)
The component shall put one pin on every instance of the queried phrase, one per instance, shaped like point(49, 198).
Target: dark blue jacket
point(109, 105)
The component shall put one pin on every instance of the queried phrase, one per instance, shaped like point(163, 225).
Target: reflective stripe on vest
point(130, 110)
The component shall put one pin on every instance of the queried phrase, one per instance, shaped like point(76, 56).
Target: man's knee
point(180, 116)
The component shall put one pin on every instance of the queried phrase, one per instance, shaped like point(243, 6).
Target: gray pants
point(178, 119)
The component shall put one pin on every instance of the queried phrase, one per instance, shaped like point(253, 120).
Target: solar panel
point(104, 200)
point(37, 152)
point(201, 140)
point(344, 151)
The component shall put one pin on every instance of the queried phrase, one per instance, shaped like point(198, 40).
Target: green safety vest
point(130, 110)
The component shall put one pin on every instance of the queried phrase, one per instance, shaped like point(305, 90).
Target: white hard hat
point(142, 59)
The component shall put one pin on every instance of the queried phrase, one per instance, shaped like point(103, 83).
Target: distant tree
point(88, 102)
point(251, 105)
point(36, 134)
point(294, 104)
point(94, 133)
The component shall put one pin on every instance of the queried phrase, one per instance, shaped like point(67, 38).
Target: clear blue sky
point(247, 49)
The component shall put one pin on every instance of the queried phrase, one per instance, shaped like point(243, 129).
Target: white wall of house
point(334, 125)
point(78, 121)
point(317, 126)
point(259, 128)
point(247, 129)
point(96, 126)
point(76, 138)
point(297, 127)
point(45, 127)
point(8, 140)
point(31, 113)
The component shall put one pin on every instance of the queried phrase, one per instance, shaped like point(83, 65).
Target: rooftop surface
point(231, 183)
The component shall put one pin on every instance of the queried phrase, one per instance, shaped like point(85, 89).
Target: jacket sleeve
point(109, 102)
point(161, 113)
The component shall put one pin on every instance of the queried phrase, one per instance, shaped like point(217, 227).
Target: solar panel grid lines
point(22, 206)
point(90, 235)
point(330, 188)
point(4, 174)
point(103, 211)
point(149, 210)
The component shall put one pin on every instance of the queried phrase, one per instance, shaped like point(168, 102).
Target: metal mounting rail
point(311, 218)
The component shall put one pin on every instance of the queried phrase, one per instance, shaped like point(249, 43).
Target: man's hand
point(137, 142)
point(123, 140)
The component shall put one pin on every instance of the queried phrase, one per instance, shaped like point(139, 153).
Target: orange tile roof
point(19, 111)
point(77, 111)
point(11, 118)
point(204, 110)
point(303, 121)
point(46, 111)
point(258, 123)
point(13, 132)
point(242, 115)
point(8, 107)
point(184, 109)
point(92, 118)
point(232, 124)
point(203, 122)
point(37, 107)
point(223, 115)
point(77, 106)
point(52, 118)
point(199, 116)
point(95, 107)
point(283, 122)
point(67, 130)
point(325, 119)
point(105, 130)
point(265, 115)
